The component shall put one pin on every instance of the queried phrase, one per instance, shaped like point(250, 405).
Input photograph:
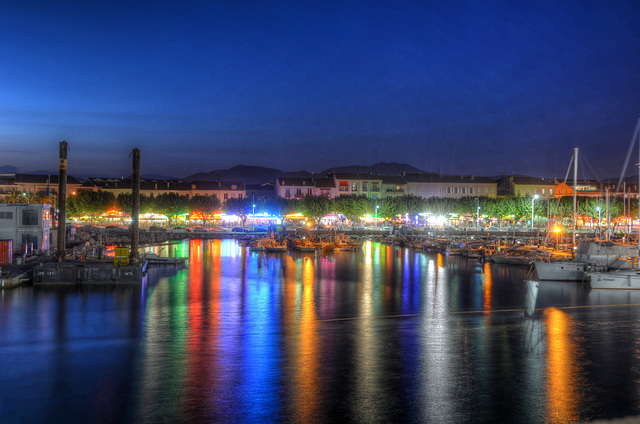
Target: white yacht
point(590, 256)
point(618, 279)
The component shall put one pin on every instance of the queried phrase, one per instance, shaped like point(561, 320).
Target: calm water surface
point(376, 336)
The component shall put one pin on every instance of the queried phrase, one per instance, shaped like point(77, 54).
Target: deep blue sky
point(465, 87)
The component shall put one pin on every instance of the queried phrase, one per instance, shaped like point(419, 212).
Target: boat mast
point(575, 187)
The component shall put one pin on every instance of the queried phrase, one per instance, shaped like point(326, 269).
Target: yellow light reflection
point(308, 372)
point(563, 373)
point(368, 384)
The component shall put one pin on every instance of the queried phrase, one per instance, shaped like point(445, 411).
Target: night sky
point(460, 87)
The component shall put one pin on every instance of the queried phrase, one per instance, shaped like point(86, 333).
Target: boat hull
point(622, 280)
point(561, 271)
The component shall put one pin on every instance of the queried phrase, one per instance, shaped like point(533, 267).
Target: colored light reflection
point(368, 386)
point(564, 376)
point(307, 356)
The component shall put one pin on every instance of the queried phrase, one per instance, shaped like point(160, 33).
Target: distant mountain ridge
point(262, 175)
point(380, 168)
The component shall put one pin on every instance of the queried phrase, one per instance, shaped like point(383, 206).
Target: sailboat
point(564, 270)
point(620, 279)
point(589, 256)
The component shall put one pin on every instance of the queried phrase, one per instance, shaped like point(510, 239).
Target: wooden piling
point(62, 202)
point(135, 207)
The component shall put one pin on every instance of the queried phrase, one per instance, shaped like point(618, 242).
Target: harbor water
point(379, 335)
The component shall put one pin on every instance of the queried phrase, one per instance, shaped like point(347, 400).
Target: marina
point(381, 334)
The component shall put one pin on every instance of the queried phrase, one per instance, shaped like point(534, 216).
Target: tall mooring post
point(135, 206)
point(62, 202)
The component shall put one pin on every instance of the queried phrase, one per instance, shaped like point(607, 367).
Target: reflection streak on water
point(306, 365)
point(163, 352)
point(435, 349)
point(367, 384)
point(564, 375)
point(488, 285)
point(258, 342)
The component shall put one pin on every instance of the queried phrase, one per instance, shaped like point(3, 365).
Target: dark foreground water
point(381, 335)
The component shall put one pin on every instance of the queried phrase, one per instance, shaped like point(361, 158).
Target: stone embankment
point(96, 236)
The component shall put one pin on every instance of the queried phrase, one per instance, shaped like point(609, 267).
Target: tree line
point(172, 205)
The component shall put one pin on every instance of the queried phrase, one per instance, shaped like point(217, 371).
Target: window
point(448, 190)
point(298, 191)
point(288, 192)
point(226, 196)
point(455, 190)
point(354, 186)
point(30, 217)
point(471, 190)
point(374, 187)
point(464, 190)
point(439, 191)
point(30, 238)
point(543, 192)
point(309, 192)
point(365, 186)
point(6, 215)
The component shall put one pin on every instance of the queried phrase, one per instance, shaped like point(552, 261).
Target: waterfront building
point(43, 186)
point(367, 185)
point(393, 186)
point(27, 224)
point(297, 188)
point(523, 186)
point(223, 190)
point(594, 189)
point(449, 186)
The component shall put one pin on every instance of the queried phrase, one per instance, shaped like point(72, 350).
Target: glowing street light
point(532, 200)
point(478, 217)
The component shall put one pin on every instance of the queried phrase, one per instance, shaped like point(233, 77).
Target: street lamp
point(599, 220)
point(532, 200)
point(557, 231)
point(377, 206)
point(478, 217)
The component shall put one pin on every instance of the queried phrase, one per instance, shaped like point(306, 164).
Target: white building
point(25, 224)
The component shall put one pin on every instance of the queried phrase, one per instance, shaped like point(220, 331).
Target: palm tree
point(31, 198)
point(14, 196)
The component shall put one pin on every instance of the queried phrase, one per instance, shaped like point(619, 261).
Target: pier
point(89, 272)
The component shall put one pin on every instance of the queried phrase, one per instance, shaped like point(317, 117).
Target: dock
point(89, 272)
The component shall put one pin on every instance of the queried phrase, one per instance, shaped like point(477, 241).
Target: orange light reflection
point(488, 285)
point(563, 373)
